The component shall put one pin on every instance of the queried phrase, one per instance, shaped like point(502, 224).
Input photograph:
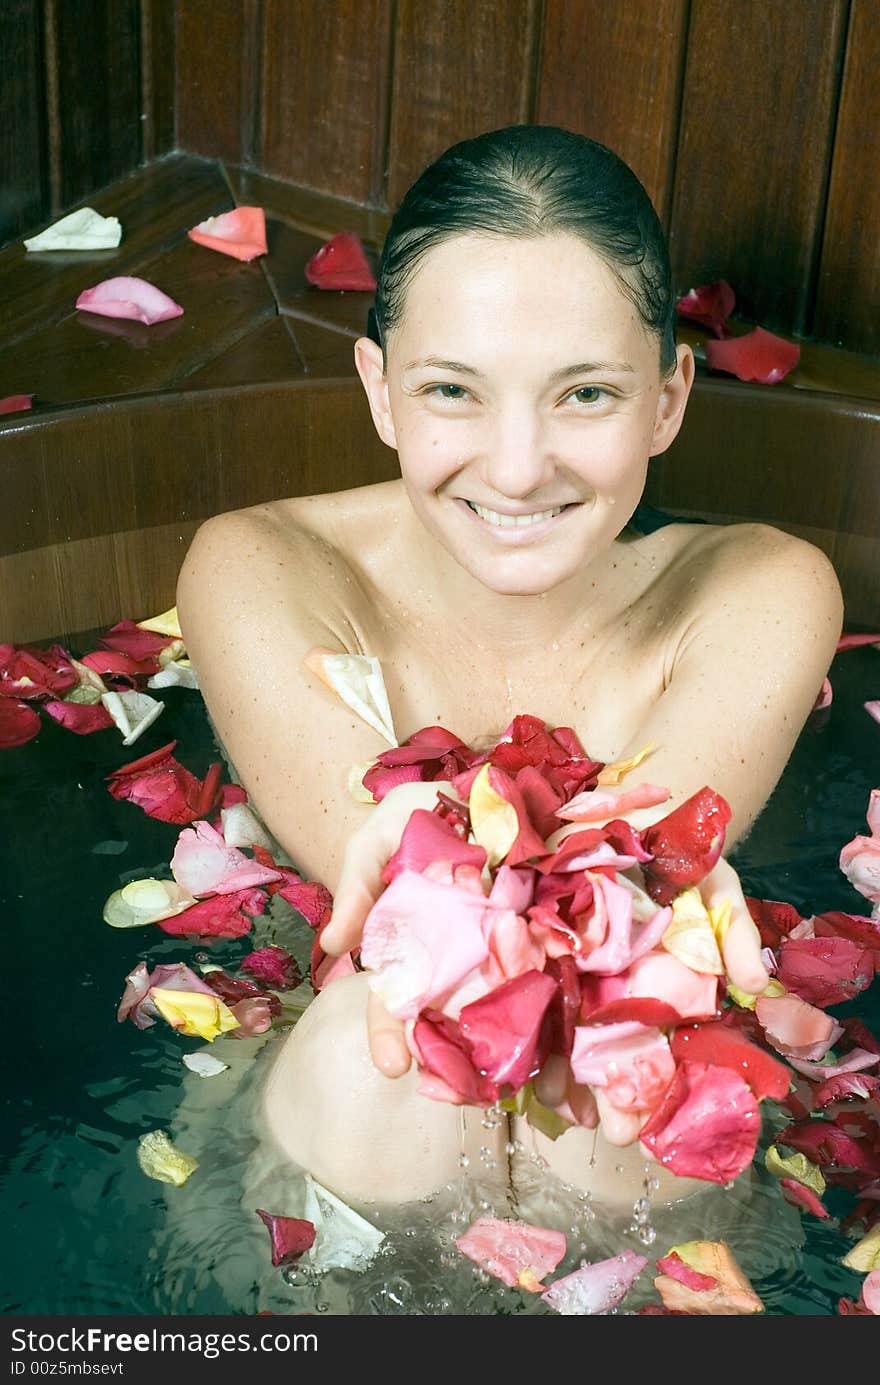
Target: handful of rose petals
point(498, 952)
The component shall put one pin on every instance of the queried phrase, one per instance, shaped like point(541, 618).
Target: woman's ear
point(672, 401)
point(371, 369)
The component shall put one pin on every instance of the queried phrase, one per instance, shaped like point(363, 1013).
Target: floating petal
point(145, 901)
point(595, 1288)
point(160, 1159)
point(345, 1240)
point(132, 712)
point(202, 1016)
point(204, 1064)
point(506, 1248)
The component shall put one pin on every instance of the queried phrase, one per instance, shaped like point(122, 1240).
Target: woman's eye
point(448, 391)
point(587, 394)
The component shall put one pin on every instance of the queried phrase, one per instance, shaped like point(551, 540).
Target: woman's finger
point(366, 855)
point(551, 1083)
point(741, 944)
point(388, 1048)
point(618, 1127)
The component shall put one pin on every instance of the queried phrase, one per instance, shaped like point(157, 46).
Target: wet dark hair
point(532, 180)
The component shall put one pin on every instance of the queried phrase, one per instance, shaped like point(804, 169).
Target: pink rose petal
point(791, 1024)
point(506, 1248)
point(203, 864)
point(595, 1288)
point(633, 1064)
point(422, 938)
point(799, 1195)
point(240, 233)
point(131, 298)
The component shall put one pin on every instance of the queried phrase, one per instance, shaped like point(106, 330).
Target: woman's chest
point(602, 684)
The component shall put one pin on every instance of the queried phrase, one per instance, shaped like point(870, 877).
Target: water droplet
point(647, 1235)
point(463, 1162)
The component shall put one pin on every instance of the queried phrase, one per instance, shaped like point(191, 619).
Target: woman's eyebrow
point(564, 372)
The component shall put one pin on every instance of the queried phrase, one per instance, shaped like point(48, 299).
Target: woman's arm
point(255, 594)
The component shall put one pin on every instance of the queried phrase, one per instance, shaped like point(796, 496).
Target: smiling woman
point(525, 372)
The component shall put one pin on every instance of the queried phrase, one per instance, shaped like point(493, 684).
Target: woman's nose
point(517, 461)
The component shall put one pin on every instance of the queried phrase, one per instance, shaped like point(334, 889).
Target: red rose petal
point(16, 403)
point(719, 1044)
point(341, 263)
point(504, 1028)
point(128, 638)
point(19, 723)
point(673, 1265)
point(710, 305)
point(685, 844)
point(707, 1125)
point(290, 1236)
point(825, 970)
point(758, 355)
point(80, 717)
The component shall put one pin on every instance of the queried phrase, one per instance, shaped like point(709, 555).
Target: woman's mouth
point(517, 526)
point(513, 521)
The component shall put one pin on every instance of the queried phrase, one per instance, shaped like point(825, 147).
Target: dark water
point(83, 1226)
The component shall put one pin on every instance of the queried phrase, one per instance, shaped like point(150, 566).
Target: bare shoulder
point(758, 616)
point(767, 575)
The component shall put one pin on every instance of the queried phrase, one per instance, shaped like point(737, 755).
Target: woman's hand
point(360, 884)
point(741, 952)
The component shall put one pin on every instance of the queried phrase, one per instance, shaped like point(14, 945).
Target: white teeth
point(513, 521)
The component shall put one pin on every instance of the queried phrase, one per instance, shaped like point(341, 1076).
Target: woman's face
point(524, 398)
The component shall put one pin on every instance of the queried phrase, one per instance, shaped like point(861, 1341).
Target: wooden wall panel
point(459, 69)
point(98, 131)
point(757, 118)
point(848, 301)
point(157, 77)
point(614, 73)
point(324, 94)
point(217, 68)
point(23, 167)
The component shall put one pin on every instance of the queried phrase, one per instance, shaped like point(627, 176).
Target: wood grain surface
point(614, 73)
point(848, 290)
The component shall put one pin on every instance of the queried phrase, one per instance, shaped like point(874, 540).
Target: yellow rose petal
point(733, 1294)
point(193, 1012)
point(530, 1281)
point(772, 991)
point(796, 1166)
point(612, 774)
point(690, 936)
point(159, 1159)
point(865, 1254)
point(164, 624)
point(356, 783)
point(494, 823)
